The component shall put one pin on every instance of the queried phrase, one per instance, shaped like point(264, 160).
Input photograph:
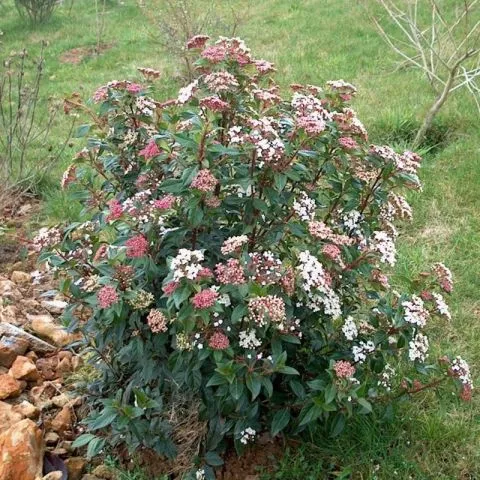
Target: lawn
point(312, 41)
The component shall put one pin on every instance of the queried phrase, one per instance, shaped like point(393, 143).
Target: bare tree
point(440, 38)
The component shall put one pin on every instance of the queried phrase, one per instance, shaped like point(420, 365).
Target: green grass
point(312, 41)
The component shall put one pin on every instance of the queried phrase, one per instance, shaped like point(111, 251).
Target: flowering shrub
point(238, 254)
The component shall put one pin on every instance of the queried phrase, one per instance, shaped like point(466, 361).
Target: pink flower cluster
point(214, 103)
point(331, 251)
point(218, 341)
point(228, 49)
point(166, 202)
point(233, 244)
point(263, 309)
point(221, 81)
point(107, 296)
point(344, 369)
point(137, 246)
point(116, 210)
point(198, 41)
point(204, 181)
point(205, 299)
point(347, 143)
point(151, 150)
point(230, 273)
point(444, 276)
point(157, 321)
point(169, 288)
point(265, 268)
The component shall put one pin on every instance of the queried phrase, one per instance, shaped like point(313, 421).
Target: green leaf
point(236, 389)
point(82, 130)
point(280, 421)
point(82, 440)
point(367, 406)
point(253, 384)
point(216, 379)
point(95, 447)
point(104, 419)
point(213, 459)
point(310, 413)
point(288, 371)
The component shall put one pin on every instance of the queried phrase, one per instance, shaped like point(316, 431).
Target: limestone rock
point(48, 367)
point(11, 314)
point(54, 306)
point(10, 347)
point(20, 278)
point(45, 326)
point(58, 475)
point(24, 369)
point(26, 409)
point(62, 421)
point(51, 438)
point(8, 416)
point(35, 343)
point(21, 452)
point(9, 290)
point(9, 387)
point(75, 466)
point(105, 472)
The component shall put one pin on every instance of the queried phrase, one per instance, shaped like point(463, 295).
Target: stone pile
point(38, 411)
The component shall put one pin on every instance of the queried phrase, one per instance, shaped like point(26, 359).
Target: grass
point(310, 42)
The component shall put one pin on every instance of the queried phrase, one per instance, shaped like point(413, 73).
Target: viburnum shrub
point(237, 256)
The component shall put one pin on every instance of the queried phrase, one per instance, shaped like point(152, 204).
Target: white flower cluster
point(311, 271)
point(396, 207)
point(384, 244)
point(415, 311)
point(232, 244)
point(386, 376)
point(418, 348)
point(186, 93)
point(247, 435)
point(349, 329)
point(304, 207)
point(313, 275)
point(200, 474)
point(248, 339)
point(145, 106)
point(186, 264)
point(461, 369)
point(441, 305)
point(351, 223)
point(361, 351)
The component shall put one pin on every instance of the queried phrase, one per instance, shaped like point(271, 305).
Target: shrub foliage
point(238, 255)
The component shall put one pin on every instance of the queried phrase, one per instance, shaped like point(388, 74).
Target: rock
point(10, 347)
point(75, 466)
point(10, 314)
point(62, 421)
point(54, 306)
point(48, 367)
point(8, 416)
point(30, 304)
point(26, 409)
point(45, 326)
point(77, 362)
point(3, 370)
point(105, 472)
point(60, 400)
point(21, 452)
point(58, 475)
point(32, 356)
point(35, 343)
point(20, 278)
point(9, 387)
point(89, 476)
point(24, 369)
point(65, 366)
point(9, 290)
point(51, 438)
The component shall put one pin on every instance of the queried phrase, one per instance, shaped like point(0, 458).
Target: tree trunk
point(434, 109)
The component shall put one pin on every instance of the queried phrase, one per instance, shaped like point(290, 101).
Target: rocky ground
point(39, 359)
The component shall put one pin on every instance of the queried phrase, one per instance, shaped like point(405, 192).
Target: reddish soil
point(76, 55)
